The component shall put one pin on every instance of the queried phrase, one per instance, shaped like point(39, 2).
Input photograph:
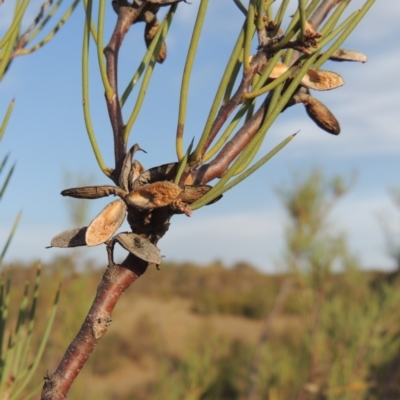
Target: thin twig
point(126, 17)
point(23, 38)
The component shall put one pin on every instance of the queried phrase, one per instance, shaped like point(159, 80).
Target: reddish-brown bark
point(115, 281)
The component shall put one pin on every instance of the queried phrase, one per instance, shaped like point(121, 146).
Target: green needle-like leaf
point(183, 163)
point(222, 186)
point(6, 118)
point(40, 351)
point(7, 181)
point(10, 236)
point(52, 33)
point(85, 93)
point(186, 76)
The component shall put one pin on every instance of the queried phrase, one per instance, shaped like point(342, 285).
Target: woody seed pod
point(319, 113)
point(139, 246)
point(93, 192)
point(70, 238)
point(106, 223)
point(158, 194)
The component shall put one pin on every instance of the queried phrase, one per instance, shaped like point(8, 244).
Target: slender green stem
point(275, 107)
point(248, 37)
point(250, 111)
point(148, 74)
point(267, 72)
point(335, 33)
point(85, 92)
point(276, 94)
point(274, 111)
point(159, 36)
point(10, 236)
point(260, 15)
point(7, 181)
point(236, 69)
point(93, 30)
point(20, 331)
point(186, 76)
point(31, 324)
point(352, 23)
point(51, 34)
point(48, 17)
point(4, 162)
point(228, 131)
point(303, 17)
point(16, 22)
point(221, 187)
point(268, 7)
point(228, 78)
point(109, 91)
point(334, 18)
point(6, 118)
point(183, 163)
point(40, 351)
point(6, 53)
point(274, 84)
point(246, 162)
point(280, 14)
point(141, 95)
point(294, 26)
point(241, 7)
point(5, 284)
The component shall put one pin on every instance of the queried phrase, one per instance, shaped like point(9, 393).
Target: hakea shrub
point(256, 87)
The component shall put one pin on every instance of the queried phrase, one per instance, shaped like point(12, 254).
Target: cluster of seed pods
point(319, 80)
point(137, 189)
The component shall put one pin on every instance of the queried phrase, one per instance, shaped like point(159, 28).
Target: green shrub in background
point(348, 326)
point(19, 359)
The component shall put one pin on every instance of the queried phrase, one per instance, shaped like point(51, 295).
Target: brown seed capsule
point(180, 207)
point(139, 246)
point(322, 80)
point(70, 238)
point(93, 192)
point(158, 194)
point(319, 113)
point(137, 169)
point(192, 193)
point(278, 70)
point(313, 79)
point(106, 223)
point(123, 180)
point(165, 172)
point(348, 55)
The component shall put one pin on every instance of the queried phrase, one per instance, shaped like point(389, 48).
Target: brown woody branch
point(127, 15)
point(225, 111)
point(217, 167)
point(152, 225)
point(115, 281)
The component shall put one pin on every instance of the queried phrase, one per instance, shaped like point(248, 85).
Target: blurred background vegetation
point(322, 328)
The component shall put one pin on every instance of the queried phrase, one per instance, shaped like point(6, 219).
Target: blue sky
point(46, 137)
